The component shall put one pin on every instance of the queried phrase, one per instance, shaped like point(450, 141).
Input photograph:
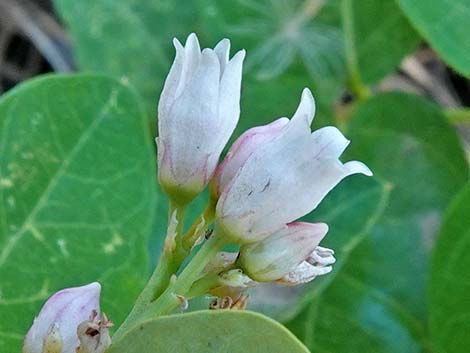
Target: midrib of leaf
point(28, 223)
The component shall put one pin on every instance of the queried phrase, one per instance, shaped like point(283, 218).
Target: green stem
point(458, 116)
point(355, 80)
point(203, 285)
point(199, 227)
point(161, 276)
point(171, 298)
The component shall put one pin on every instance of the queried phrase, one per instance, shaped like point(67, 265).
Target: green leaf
point(443, 23)
point(449, 302)
point(77, 194)
point(382, 37)
point(207, 332)
point(374, 300)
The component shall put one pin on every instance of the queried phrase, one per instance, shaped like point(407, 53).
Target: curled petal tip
point(354, 167)
point(223, 45)
point(306, 109)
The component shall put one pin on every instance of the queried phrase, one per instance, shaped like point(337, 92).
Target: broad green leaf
point(374, 300)
point(449, 286)
point(444, 24)
point(210, 332)
point(77, 195)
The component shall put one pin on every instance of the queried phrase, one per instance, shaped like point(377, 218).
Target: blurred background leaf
point(287, 41)
point(449, 284)
point(444, 24)
point(71, 211)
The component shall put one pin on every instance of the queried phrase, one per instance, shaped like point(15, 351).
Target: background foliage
point(79, 200)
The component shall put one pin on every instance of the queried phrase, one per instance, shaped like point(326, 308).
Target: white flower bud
point(54, 330)
point(276, 256)
point(283, 178)
point(197, 113)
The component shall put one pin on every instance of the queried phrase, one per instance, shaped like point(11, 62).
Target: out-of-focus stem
point(355, 80)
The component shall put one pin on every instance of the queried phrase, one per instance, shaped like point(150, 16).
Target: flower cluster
point(271, 176)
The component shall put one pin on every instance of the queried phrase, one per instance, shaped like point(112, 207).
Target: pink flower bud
point(281, 253)
point(197, 113)
point(284, 178)
point(54, 330)
point(242, 149)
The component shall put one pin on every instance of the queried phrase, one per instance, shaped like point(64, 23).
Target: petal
point(172, 81)
point(330, 141)
point(274, 257)
point(229, 99)
point(187, 135)
point(222, 49)
point(284, 179)
point(243, 148)
point(65, 310)
point(272, 169)
point(304, 273)
point(192, 58)
point(306, 109)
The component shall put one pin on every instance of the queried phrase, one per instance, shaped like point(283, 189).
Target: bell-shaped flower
point(283, 178)
point(54, 330)
point(317, 263)
point(282, 252)
point(198, 110)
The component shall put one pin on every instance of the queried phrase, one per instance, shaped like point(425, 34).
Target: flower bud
point(198, 110)
point(242, 149)
point(54, 330)
point(318, 263)
point(283, 178)
point(281, 253)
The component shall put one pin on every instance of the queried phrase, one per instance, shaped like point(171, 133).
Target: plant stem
point(458, 115)
point(160, 277)
point(355, 80)
point(199, 226)
point(173, 295)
